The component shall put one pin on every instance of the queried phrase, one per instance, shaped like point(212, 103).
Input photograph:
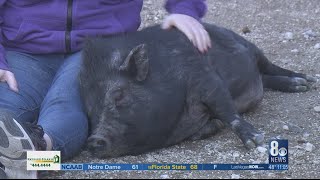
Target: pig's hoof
point(255, 141)
point(301, 88)
point(299, 81)
point(298, 85)
point(259, 138)
point(250, 144)
point(311, 79)
point(247, 133)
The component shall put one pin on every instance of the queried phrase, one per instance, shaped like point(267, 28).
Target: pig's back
point(231, 56)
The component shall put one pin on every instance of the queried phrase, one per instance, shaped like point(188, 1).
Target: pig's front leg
point(216, 96)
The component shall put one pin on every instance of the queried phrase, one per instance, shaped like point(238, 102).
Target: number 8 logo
point(274, 150)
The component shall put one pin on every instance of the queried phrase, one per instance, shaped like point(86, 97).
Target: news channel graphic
point(50, 160)
point(278, 154)
point(43, 160)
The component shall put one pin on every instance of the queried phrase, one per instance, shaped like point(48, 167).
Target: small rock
point(309, 34)
point(297, 147)
point(261, 149)
point(309, 147)
point(235, 154)
point(235, 176)
point(294, 128)
point(317, 46)
point(305, 135)
point(270, 174)
point(295, 50)
point(246, 30)
point(288, 35)
point(164, 176)
point(285, 127)
point(224, 157)
point(317, 109)
point(301, 141)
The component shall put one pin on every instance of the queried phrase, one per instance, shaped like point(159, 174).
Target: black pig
point(152, 88)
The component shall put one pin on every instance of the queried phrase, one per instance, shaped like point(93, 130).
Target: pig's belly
point(193, 118)
point(250, 96)
point(240, 73)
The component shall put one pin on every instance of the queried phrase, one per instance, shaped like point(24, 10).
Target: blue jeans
point(49, 95)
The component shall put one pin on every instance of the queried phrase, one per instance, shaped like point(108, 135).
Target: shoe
point(15, 140)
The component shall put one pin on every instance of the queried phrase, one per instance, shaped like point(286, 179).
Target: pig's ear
point(137, 62)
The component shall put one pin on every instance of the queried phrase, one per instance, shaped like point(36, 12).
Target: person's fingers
point(11, 81)
point(167, 24)
point(198, 39)
point(2, 75)
point(192, 28)
point(200, 36)
point(203, 35)
point(187, 30)
point(171, 21)
point(206, 39)
point(194, 35)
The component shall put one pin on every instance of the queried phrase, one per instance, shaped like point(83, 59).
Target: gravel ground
point(288, 32)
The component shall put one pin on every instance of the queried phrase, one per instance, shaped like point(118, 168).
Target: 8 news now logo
point(278, 152)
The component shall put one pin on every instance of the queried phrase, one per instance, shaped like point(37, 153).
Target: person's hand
point(191, 27)
point(8, 77)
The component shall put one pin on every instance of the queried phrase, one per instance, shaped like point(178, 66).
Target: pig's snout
point(96, 143)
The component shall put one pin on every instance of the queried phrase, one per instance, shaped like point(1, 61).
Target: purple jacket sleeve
point(194, 8)
point(3, 62)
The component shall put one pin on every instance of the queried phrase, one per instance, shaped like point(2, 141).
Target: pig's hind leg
point(217, 98)
point(277, 78)
point(285, 83)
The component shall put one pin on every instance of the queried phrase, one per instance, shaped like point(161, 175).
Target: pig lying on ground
point(152, 89)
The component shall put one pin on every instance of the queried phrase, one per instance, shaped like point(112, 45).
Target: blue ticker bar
point(177, 167)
